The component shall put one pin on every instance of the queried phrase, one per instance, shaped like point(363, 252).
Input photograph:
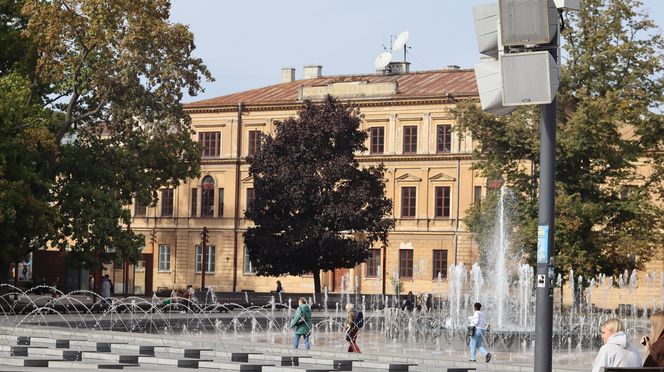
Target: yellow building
point(411, 131)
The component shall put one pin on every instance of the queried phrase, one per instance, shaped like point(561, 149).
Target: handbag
point(471, 331)
point(300, 321)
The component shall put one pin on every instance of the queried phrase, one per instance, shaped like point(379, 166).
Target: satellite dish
point(400, 41)
point(382, 60)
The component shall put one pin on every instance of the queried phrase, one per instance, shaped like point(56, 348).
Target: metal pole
point(203, 260)
point(545, 233)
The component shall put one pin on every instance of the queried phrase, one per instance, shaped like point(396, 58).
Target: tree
point(111, 75)
point(315, 208)
point(607, 216)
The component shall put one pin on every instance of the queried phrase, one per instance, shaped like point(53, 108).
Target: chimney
point(452, 68)
point(312, 71)
point(287, 74)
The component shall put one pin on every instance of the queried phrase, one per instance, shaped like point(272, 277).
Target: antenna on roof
point(400, 43)
point(382, 60)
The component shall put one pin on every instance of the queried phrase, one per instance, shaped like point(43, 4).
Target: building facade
point(411, 131)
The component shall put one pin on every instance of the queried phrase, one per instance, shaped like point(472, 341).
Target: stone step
point(62, 354)
point(280, 360)
point(94, 345)
point(234, 356)
point(50, 342)
point(384, 366)
point(337, 364)
point(296, 369)
point(233, 366)
point(147, 350)
point(25, 362)
point(177, 351)
point(118, 358)
point(182, 363)
point(86, 365)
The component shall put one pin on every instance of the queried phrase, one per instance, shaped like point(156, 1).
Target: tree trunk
point(316, 274)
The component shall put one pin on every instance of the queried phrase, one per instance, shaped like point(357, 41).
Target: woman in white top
point(479, 322)
point(617, 351)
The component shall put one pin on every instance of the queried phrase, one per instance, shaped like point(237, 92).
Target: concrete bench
point(117, 358)
point(635, 369)
point(233, 366)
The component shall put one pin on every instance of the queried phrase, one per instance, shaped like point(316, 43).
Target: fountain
point(438, 326)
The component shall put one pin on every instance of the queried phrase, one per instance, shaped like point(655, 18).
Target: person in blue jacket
point(302, 323)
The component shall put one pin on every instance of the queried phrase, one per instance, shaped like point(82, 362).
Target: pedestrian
point(655, 343)
point(106, 287)
point(478, 328)
point(302, 323)
point(352, 329)
point(279, 287)
point(616, 351)
point(409, 302)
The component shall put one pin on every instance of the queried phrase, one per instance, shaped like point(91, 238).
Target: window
point(408, 202)
point(410, 139)
point(250, 198)
point(477, 195)
point(377, 140)
point(164, 257)
point(211, 143)
point(254, 138)
point(406, 263)
point(221, 202)
point(440, 263)
point(167, 202)
point(442, 202)
point(207, 197)
point(209, 258)
point(194, 201)
point(248, 267)
point(139, 210)
point(444, 138)
point(372, 263)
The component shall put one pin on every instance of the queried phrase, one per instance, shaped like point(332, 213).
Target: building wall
point(424, 170)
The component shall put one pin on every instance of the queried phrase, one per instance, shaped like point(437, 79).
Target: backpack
point(359, 319)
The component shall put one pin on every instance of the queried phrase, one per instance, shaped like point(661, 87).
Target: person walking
point(616, 351)
point(655, 343)
point(106, 287)
point(478, 324)
point(302, 323)
point(352, 329)
point(279, 287)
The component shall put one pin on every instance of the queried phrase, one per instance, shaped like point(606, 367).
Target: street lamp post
point(520, 41)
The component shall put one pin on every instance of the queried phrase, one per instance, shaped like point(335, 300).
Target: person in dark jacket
point(655, 343)
point(302, 323)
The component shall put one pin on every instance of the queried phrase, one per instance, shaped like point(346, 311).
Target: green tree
point(315, 208)
point(26, 217)
point(111, 75)
point(607, 216)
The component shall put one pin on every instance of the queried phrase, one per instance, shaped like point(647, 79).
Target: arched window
point(207, 197)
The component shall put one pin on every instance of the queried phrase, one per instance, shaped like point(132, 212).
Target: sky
point(246, 43)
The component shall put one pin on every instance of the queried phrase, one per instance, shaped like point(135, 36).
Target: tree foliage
point(109, 78)
point(315, 208)
point(607, 214)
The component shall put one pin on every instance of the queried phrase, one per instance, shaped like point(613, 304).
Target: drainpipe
point(458, 199)
point(236, 222)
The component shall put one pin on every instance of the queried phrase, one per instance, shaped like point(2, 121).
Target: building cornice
point(365, 158)
point(293, 106)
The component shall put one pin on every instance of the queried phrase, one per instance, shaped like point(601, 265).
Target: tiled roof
point(439, 83)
